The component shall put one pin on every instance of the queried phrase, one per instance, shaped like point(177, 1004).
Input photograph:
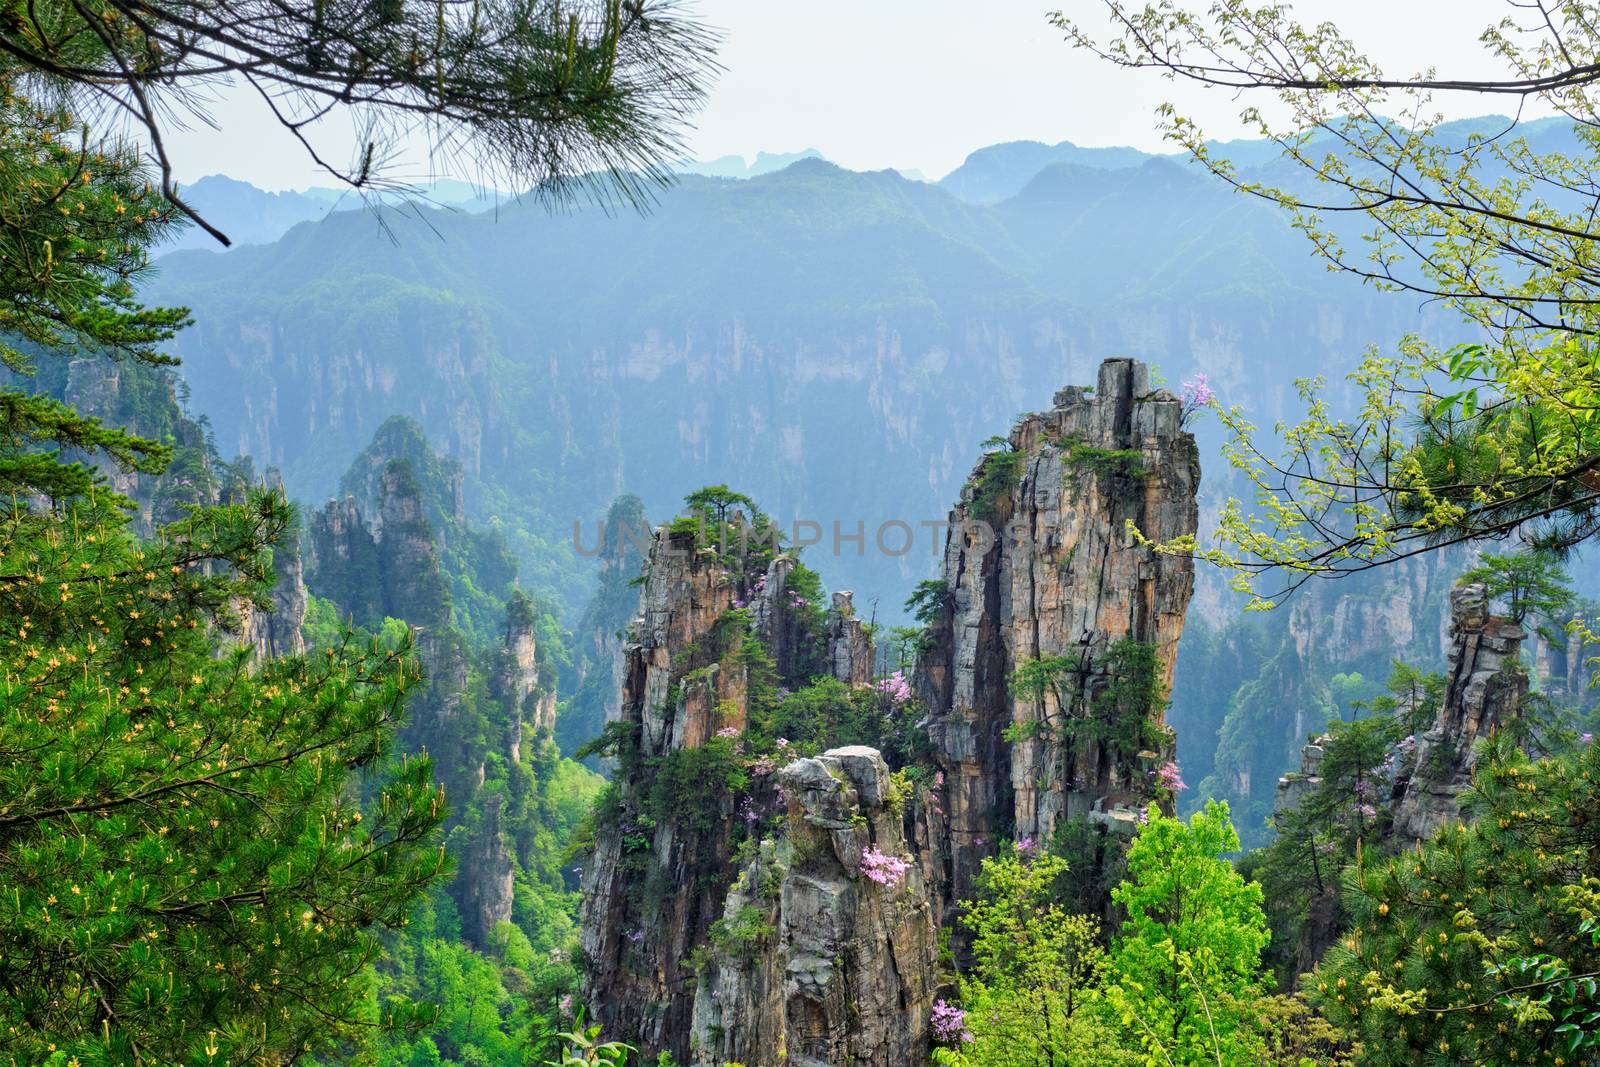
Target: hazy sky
point(916, 84)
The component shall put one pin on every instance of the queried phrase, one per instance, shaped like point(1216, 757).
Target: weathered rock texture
point(849, 645)
point(1294, 787)
point(831, 969)
point(645, 911)
point(377, 554)
point(791, 954)
point(1485, 686)
point(1045, 565)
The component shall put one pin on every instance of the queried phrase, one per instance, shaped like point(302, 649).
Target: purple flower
point(729, 731)
point(1586, 738)
point(635, 936)
point(895, 687)
point(882, 868)
point(1028, 846)
point(949, 1023)
point(1168, 777)
point(1196, 394)
point(565, 1004)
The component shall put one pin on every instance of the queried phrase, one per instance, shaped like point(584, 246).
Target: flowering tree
point(882, 868)
point(1488, 439)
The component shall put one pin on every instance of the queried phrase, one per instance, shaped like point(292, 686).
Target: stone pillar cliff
point(829, 953)
point(1041, 562)
point(651, 892)
point(1485, 686)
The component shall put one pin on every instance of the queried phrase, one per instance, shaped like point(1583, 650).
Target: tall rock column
point(849, 643)
point(1485, 687)
point(1040, 564)
point(827, 954)
point(656, 880)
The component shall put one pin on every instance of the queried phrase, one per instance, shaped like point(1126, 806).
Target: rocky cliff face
point(1040, 565)
point(823, 963)
point(849, 645)
point(718, 936)
point(1485, 686)
point(651, 892)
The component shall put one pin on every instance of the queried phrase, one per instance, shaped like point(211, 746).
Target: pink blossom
point(729, 731)
point(895, 687)
point(1169, 778)
point(882, 868)
point(1028, 846)
point(949, 1023)
point(565, 1004)
point(1196, 394)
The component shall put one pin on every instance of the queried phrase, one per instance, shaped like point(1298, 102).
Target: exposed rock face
point(1484, 687)
point(1043, 565)
point(484, 898)
point(839, 970)
point(1294, 788)
point(639, 941)
point(776, 626)
point(344, 560)
point(849, 645)
point(517, 672)
point(795, 953)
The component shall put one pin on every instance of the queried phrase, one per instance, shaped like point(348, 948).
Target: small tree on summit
point(1527, 583)
point(714, 502)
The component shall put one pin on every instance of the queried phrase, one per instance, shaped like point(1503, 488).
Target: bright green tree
point(197, 848)
point(78, 220)
point(1036, 967)
point(1525, 583)
point(1186, 962)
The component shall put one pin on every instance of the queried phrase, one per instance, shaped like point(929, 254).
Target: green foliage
point(829, 713)
point(998, 475)
point(742, 933)
point(1485, 440)
point(1469, 948)
point(1187, 957)
point(587, 1048)
point(188, 862)
point(79, 217)
point(930, 599)
point(1300, 872)
point(1096, 862)
point(1124, 710)
point(1035, 968)
point(1526, 583)
point(1077, 455)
